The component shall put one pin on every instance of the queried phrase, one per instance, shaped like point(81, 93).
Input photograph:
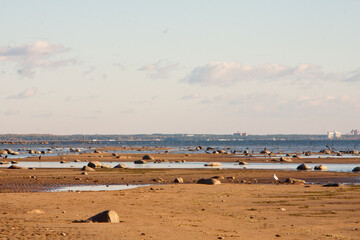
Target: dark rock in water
point(356, 169)
point(333, 185)
point(178, 180)
point(120, 165)
point(243, 163)
point(148, 157)
point(16, 167)
point(87, 168)
point(209, 181)
point(320, 167)
point(94, 164)
point(294, 181)
point(140, 162)
point(303, 167)
point(109, 216)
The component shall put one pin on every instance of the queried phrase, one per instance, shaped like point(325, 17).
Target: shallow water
point(332, 167)
point(83, 188)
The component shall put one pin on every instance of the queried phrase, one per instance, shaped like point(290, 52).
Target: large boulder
point(320, 167)
point(356, 169)
point(87, 168)
point(212, 164)
point(303, 167)
point(140, 162)
point(105, 166)
point(94, 164)
point(209, 181)
point(109, 216)
point(120, 165)
point(148, 157)
point(243, 163)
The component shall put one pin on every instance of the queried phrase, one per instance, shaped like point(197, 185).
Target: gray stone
point(320, 167)
point(87, 168)
point(109, 216)
point(303, 167)
point(209, 181)
point(148, 157)
point(212, 164)
point(356, 169)
point(94, 164)
point(120, 165)
point(140, 162)
point(178, 180)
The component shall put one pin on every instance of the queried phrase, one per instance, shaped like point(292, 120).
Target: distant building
point(355, 132)
point(238, 133)
point(334, 135)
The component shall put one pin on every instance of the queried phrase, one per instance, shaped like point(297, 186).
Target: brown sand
point(187, 211)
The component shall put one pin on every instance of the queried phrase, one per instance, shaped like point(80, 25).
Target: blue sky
point(124, 67)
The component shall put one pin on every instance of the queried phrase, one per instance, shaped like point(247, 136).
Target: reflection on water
point(95, 188)
point(332, 167)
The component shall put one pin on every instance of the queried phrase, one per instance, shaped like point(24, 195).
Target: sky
point(179, 66)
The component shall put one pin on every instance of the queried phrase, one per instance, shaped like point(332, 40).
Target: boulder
point(356, 169)
point(140, 162)
point(14, 162)
point(295, 181)
point(77, 160)
point(303, 167)
point(218, 177)
point(209, 181)
point(243, 163)
point(320, 167)
point(109, 216)
point(105, 166)
point(94, 164)
point(285, 159)
point(148, 157)
point(84, 173)
point(178, 180)
point(87, 168)
point(120, 165)
point(212, 164)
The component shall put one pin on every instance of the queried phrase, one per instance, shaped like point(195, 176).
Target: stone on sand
point(87, 168)
point(140, 162)
point(209, 181)
point(109, 216)
point(179, 180)
point(148, 157)
point(16, 167)
point(36, 211)
point(285, 159)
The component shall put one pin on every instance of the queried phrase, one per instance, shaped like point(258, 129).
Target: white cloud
point(191, 96)
point(229, 73)
point(159, 70)
point(27, 93)
point(12, 113)
point(28, 57)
